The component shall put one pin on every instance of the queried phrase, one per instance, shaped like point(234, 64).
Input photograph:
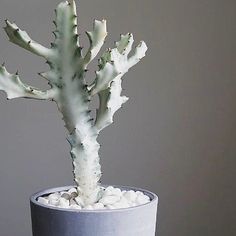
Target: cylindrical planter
point(133, 221)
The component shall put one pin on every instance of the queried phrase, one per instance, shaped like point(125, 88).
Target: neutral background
point(177, 134)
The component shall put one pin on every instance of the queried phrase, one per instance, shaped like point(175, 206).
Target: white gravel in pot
point(112, 198)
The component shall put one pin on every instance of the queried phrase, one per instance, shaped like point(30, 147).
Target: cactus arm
point(110, 102)
point(103, 78)
point(96, 39)
point(140, 52)
point(108, 82)
point(115, 62)
point(14, 88)
point(22, 39)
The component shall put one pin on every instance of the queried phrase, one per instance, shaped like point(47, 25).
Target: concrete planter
point(133, 221)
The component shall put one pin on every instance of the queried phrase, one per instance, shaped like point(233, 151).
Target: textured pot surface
point(133, 221)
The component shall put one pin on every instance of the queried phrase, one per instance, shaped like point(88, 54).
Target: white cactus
point(70, 91)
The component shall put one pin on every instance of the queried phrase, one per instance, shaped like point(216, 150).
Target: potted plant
point(89, 208)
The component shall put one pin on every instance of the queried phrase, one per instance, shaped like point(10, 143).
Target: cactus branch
point(22, 39)
point(96, 39)
point(14, 88)
point(113, 66)
point(110, 101)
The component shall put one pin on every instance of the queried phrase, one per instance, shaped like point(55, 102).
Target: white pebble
point(123, 203)
point(109, 188)
point(123, 200)
point(54, 196)
point(117, 192)
point(108, 191)
point(139, 193)
point(43, 200)
point(109, 200)
point(98, 206)
point(53, 202)
point(64, 203)
point(142, 199)
point(130, 195)
point(110, 207)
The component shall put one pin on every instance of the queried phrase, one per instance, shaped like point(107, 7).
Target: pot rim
point(33, 199)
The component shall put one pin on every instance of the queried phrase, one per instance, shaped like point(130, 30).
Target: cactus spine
point(68, 88)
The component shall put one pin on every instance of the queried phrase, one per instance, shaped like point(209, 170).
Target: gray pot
point(133, 221)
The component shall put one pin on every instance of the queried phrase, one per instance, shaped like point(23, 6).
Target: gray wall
point(177, 134)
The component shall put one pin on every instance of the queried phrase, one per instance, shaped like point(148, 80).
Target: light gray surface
point(176, 136)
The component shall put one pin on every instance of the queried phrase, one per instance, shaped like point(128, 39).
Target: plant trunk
point(86, 166)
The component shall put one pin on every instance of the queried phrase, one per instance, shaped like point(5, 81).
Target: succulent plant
point(70, 91)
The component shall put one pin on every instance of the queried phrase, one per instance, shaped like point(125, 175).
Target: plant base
point(132, 221)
